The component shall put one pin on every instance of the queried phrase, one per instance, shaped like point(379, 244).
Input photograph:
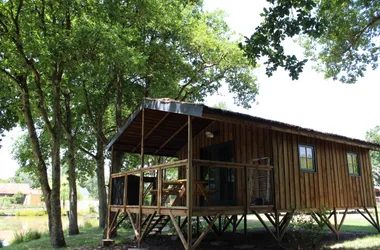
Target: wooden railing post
point(125, 191)
point(141, 177)
point(159, 192)
point(189, 183)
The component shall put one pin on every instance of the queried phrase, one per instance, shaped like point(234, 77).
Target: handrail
point(156, 167)
point(196, 163)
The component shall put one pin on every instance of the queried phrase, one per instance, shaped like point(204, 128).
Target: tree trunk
point(57, 238)
point(73, 214)
point(52, 201)
point(102, 192)
point(116, 159)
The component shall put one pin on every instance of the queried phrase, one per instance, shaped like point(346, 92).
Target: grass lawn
point(87, 237)
point(353, 223)
point(368, 242)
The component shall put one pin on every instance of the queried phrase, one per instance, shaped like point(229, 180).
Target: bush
point(1, 243)
point(304, 232)
point(27, 236)
point(6, 200)
point(87, 225)
point(31, 213)
point(18, 198)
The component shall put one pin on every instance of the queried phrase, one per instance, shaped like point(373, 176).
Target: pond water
point(11, 224)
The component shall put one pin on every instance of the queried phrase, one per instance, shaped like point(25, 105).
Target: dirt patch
point(258, 239)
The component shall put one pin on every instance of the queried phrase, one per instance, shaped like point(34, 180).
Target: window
point(306, 158)
point(353, 164)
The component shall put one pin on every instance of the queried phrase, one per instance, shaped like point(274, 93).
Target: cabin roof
point(165, 126)
point(13, 188)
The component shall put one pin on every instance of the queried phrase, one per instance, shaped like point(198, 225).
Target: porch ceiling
point(165, 132)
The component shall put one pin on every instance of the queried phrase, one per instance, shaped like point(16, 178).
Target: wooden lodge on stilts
point(226, 165)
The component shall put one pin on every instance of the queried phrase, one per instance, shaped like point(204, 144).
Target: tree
point(341, 36)
point(35, 47)
point(373, 135)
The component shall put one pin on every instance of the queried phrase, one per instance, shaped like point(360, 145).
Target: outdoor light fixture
point(209, 134)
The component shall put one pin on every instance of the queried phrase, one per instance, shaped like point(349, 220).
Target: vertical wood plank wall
point(331, 186)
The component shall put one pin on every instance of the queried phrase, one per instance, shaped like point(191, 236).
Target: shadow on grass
point(355, 241)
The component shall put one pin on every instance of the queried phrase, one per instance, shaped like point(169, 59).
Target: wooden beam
point(159, 193)
point(208, 220)
point(163, 166)
point(200, 238)
point(119, 222)
point(125, 191)
point(183, 240)
point(152, 130)
point(141, 176)
point(344, 216)
point(277, 221)
point(377, 216)
point(265, 225)
point(133, 225)
point(270, 219)
point(171, 137)
point(189, 183)
point(147, 227)
point(286, 224)
point(113, 221)
point(327, 221)
point(229, 221)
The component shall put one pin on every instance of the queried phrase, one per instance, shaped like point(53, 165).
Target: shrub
point(18, 198)
point(31, 213)
point(304, 232)
point(5, 200)
point(87, 225)
point(32, 235)
point(1, 243)
point(27, 236)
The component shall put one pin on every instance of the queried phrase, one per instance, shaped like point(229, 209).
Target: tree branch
point(87, 152)
point(9, 75)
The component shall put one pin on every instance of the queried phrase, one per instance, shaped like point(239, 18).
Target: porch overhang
point(165, 127)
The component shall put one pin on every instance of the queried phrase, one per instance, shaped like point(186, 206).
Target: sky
point(311, 102)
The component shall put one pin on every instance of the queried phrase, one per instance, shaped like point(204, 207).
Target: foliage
point(1, 243)
point(25, 236)
point(6, 200)
point(304, 232)
point(341, 36)
point(29, 212)
point(373, 135)
point(78, 69)
point(18, 198)
point(87, 237)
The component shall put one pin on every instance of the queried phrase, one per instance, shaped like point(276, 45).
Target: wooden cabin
point(222, 164)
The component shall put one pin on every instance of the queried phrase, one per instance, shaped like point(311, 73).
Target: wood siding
point(330, 186)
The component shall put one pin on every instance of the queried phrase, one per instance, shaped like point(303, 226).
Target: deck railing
point(164, 186)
